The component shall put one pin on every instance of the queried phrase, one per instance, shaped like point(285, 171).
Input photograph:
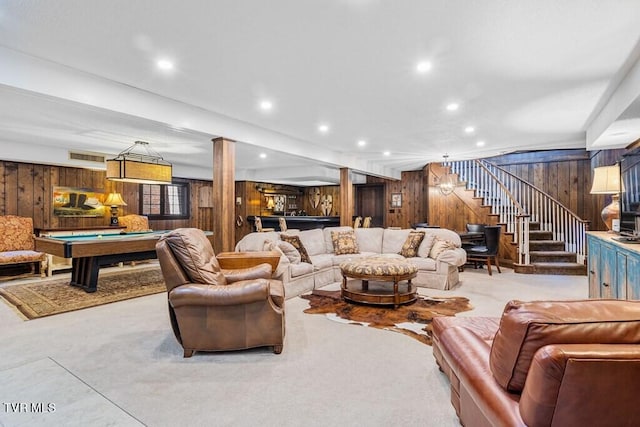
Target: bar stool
point(259, 228)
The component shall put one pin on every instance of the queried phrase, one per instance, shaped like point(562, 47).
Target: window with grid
point(160, 201)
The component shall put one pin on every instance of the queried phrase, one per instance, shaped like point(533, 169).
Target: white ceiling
point(528, 74)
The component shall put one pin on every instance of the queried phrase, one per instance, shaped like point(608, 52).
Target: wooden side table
point(237, 260)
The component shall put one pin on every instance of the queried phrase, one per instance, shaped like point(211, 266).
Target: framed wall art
point(78, 202)
point(396, 200)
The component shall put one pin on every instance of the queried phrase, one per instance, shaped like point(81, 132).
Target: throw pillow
point(295, 241)
point(411, 244)
point(283, 265)
point(440, 246)
point(290, 252)
point(344, 242)
point(284, 248)
point(426, 245)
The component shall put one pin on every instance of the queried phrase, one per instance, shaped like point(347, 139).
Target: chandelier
point(140, 164)
point(448, 182)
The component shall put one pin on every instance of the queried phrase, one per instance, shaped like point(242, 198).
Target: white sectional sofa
point(299, 277)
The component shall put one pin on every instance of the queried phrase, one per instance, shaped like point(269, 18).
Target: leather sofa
point(544, 363)
point(212, 309)
point(435, 270)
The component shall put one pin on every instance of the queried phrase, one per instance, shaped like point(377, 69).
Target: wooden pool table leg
point(84, 273)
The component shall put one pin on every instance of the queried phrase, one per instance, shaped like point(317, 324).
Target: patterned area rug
point(413, 319)
point(46, 297)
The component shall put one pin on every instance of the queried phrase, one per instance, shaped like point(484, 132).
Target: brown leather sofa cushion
point(194, 253)
point(582, 385)
point(525, 327)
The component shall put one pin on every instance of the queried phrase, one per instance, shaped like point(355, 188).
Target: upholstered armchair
point(17, 245)
point(213, 309)
point(134, 222)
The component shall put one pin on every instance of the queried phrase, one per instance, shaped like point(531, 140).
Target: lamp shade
point(270, 203)
point(606, 180)
point(114, 199)
point(139, 164)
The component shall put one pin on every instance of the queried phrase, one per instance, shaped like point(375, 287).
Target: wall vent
point(87, 157)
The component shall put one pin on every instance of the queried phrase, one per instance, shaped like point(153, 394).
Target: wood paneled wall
point(26, 189)
point(563, 174)
point(413, 188)
point(330, 190)
point(455, 210)
point(253, 203)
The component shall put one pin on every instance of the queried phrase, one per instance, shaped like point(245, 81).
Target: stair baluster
point(518, 203)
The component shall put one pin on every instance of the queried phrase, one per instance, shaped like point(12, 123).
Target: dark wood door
point(370, 202)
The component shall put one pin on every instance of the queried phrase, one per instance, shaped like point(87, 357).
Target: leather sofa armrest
point(582, 384)
point(241, 292)
point(260, 271)
point(481, 399)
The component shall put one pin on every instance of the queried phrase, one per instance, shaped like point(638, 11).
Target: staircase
point(549, 238)
point(548, 256)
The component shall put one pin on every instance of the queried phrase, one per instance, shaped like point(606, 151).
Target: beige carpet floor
point(119, 364)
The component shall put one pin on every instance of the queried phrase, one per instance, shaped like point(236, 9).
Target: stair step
point(534, 226)
point(546, 245)
point(540, 235)
point(561, 268)
point(552, 256)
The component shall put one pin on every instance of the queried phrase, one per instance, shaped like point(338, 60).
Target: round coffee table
point(380, 269)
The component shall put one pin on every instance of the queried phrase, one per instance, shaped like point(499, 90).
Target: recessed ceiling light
point(266, 105)
point(453, 106)
point(323, 128)
point(423, 67)
point(480, 144)
point(386, 153)
point(263, 155)
point(469, 129)
point(164, 64)
point(362, 143)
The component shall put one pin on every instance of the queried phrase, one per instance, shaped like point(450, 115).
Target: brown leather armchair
point(213, 309)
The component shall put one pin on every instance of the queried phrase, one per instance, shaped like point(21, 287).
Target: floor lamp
point(606, 180)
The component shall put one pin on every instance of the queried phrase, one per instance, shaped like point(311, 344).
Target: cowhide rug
point(413, 319)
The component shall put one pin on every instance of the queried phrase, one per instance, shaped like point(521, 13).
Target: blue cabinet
point(614, 267)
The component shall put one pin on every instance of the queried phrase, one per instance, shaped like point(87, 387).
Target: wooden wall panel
point(330, 190)
point(11, 188)
point(455, 210)
point(565, 175)
point(27, 190)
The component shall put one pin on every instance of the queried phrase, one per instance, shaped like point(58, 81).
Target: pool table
point(90, 252)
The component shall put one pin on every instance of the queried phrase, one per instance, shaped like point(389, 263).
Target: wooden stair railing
point(528, 204)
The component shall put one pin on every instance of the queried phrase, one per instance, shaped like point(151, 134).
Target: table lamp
point(114, 200)
point(606, 180)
